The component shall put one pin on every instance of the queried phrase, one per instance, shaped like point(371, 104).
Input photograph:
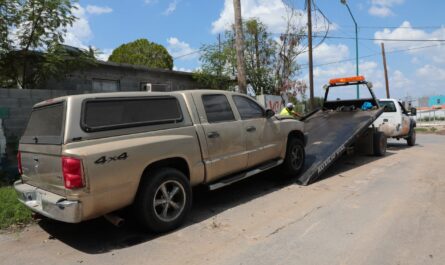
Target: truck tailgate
point(329, 133)
point(42, 167)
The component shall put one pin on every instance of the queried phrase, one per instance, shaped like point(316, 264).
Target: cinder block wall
point(15, 108)
point(16, 105)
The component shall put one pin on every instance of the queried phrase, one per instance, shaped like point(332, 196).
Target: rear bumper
point(48, 204)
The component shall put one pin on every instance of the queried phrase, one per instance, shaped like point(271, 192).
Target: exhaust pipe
point(114, 220)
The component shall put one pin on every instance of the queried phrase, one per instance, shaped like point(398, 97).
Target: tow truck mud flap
point(329, 134)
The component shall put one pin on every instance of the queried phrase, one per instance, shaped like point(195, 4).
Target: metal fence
point(431, 117)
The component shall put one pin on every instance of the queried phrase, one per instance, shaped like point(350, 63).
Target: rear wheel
point(411, 140)
point(380, 143)
point(294, 161)
point(163, 200)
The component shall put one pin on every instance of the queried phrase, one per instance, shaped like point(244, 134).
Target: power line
point(379, 39)
point(372, 55)
point(187, 54)
point(395, 27)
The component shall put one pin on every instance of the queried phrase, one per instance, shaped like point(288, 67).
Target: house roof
point(143, 68)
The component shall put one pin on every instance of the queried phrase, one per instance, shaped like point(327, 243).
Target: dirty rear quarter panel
point(113, 184)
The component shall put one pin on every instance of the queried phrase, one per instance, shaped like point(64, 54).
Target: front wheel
point(295, 155)
point(411, 140)
point(163, 200)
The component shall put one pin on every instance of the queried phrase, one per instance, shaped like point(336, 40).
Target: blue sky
point(184, 25)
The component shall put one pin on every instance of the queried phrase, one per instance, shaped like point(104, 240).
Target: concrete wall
point(129, 78)
point(16, 105)
point(15, 108)
point(2, 140)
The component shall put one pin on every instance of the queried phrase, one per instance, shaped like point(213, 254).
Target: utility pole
point(386, 71)
point(239, 44)
point(311, 65)
point(219, 56)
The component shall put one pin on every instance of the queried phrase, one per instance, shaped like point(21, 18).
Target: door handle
point(213, 134)
point(251, 129)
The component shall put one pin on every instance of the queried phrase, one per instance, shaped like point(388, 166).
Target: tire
point(411, 140)
point(295, 156)
point(163, 200)
point(379, 144)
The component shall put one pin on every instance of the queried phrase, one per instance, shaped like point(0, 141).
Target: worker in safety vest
point(289, 111)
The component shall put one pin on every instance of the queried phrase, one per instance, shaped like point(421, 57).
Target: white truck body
point(396, 121)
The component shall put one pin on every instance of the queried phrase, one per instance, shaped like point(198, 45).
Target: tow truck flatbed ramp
point(329, 134)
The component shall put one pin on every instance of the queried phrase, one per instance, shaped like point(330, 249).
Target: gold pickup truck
point(86, 156)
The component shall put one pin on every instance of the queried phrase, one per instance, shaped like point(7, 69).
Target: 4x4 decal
point(105, 159)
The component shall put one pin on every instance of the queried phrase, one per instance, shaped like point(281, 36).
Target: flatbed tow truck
point(341, 124)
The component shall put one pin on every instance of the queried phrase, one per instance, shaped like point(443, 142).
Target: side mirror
point(413, 111)
point(269, 113)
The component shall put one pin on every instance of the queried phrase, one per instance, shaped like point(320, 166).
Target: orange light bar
point(346, 80)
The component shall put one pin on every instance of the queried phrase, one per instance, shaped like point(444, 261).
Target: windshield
point(348, 92)
point(45, 125)
point(388, 105)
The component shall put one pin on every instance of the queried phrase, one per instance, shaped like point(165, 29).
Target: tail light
point(72, 172)
point(19, 162)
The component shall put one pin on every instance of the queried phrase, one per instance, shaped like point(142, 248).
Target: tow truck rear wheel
point(380, 143)
point(294, 161)
point(411, 140)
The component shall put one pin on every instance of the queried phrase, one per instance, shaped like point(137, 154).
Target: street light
point(356, 42)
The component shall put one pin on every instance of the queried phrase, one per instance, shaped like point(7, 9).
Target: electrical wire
point(379, 39)
point(394, 27)
point(371, 55)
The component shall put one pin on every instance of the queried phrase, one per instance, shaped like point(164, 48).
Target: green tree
point(55, 62)
point(218, 62)
point(143, 52)
point(271, 64)
point(42, 24)
point(8, 18)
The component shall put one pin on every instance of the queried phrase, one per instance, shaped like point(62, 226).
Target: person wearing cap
point(289, 111)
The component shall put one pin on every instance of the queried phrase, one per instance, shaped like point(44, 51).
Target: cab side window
point(247, 108)
point(217, 108)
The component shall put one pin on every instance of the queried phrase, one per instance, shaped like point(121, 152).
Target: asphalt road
point(366, 210)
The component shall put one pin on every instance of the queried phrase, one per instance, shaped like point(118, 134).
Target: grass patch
point(421, 129)
point(12, 212)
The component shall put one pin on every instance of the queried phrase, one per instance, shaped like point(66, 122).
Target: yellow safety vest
point(286, 112)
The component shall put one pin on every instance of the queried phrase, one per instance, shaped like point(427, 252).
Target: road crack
point(294, 222)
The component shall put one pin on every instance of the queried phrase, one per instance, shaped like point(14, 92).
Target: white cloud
point(382, 8)
point(171, 7)
point(179, 48)
point(380, 11)
point(98, 10)
point(271, 12)
point(326, 53)
point(182, 69)
point(407, 32)
point(80, 32)
point(431, 72)
point(104, 54)
point(149, 2)
point(398, 80)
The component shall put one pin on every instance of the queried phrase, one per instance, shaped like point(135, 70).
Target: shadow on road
point(99, 236)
